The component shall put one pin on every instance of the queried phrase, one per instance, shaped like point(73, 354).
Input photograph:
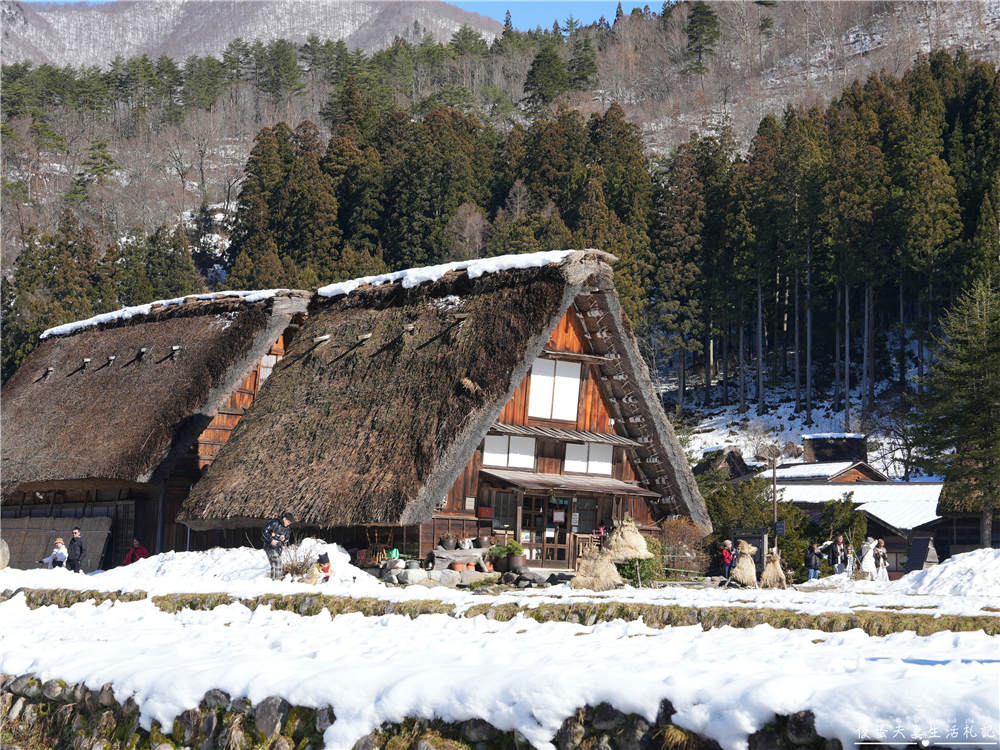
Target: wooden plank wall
point(203, 451)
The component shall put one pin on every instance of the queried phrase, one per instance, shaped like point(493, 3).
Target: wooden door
point(544, 531)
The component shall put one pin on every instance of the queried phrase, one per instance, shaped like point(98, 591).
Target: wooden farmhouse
point(500, 397)
point(110, 421)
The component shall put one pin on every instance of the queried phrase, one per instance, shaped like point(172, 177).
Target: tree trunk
point(681, 371)
point(920, 351)
point(864, 359)
point(725, 365)
point(986, 526)
point(836, 357)
point(809, 334)
point(760, 349)
point(798, 373)
point(708, 364)
point(847, 358)
point(902, 332)
point(871, 349)
point(742, 368)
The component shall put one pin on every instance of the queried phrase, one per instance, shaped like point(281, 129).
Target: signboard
point(482, 512)
point(559, 516)
point(575, 519)
point(470, 502)
point(779, 529)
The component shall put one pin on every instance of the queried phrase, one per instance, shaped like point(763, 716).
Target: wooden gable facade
point(546, 503)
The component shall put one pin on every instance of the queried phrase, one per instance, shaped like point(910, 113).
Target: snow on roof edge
point(412, 277)
point(130, 312)
point(828, 435)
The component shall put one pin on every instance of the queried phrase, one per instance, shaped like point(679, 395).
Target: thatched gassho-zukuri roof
point(387, 391)
point(118, 422)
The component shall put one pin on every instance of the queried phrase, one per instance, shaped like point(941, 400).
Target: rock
point(833, 744)
point(8, 680)
point(634, 735)
point(209, 728)
point(520, 569)
point(434, 575)
point(472, 576)
point(508, 578)
point(450, 577)
point(324, 718)
point(572, 731)
point(20, 685)
point(52, 690)
point(765, 739)
point(79, 693)
point(164, 746)
point(216, 699)
point(522, 584)
point(608, 717)
point(520, 741)
point(15, 710)
point(391, 577)
point(479, 730)
point(78, 725)
point(533, 577)
point(480, 746)
point(107, 696)
point(556, 578)
point(665, 713)
point(191, 721)
point(130, 707)
point(573, 618)
point(543, 585)
point(270, 715)
point(368, 742)
point(283, 743)
point(603, 743)
point(100, 745)
point(241, 706)
point(801, 728)
point(411, 575)
point(28, 715)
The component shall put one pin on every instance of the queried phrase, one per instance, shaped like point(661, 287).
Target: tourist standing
point(275, 534)
point(76, 552)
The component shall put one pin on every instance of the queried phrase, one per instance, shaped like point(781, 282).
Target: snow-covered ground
point(725, 683)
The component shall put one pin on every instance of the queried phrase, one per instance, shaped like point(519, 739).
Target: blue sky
point(527, 14)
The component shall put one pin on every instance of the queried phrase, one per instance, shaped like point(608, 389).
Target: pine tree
point(703, 35)
point(583, 67)
point(959, 416)
point(547, 79)
point(984, 259)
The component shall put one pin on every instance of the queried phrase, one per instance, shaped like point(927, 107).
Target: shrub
point(684, 548)
point(644, 571)
point(514, 547)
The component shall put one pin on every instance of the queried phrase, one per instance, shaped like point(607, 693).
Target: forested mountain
point(84, 35)
point(820, 248)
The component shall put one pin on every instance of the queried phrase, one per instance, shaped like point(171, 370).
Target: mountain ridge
point(80, 34)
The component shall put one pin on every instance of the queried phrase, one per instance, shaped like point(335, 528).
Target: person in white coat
point(58, 557)
point(868, 559)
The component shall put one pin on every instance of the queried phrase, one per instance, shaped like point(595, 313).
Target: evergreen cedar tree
point(958, 416)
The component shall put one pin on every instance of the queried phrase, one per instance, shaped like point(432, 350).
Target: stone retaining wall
point(58, 716)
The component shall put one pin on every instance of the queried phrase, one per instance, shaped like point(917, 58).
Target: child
point(319, 572)
point(58, 557)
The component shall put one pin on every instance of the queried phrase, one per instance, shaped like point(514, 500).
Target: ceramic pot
point(458, 567)
point(500, 565)
point(515, 561)
point(483, 542)
point(489, 566)
point(449, 544)
point(412, 564)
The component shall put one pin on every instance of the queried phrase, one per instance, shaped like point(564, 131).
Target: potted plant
point(484, 541)
point(515, 554)
point(498, 556)
point(449, 541)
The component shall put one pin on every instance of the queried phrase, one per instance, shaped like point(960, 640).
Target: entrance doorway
point(545, 531)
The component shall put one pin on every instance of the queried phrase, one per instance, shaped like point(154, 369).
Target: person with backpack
point(727, 558)
point(275, 534)
point(814, 561)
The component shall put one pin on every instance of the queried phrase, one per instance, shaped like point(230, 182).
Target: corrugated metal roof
point(864, 492)
point(903, 514)
point(572, 436)
point(545, 482)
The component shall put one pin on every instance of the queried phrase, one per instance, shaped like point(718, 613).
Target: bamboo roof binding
point(115, 404)
point(386, 392)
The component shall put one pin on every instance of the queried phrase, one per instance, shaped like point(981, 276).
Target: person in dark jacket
point(135, 553)
point(838, 555)
point(275, 534)
point(814, 561)
point(76, 551)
